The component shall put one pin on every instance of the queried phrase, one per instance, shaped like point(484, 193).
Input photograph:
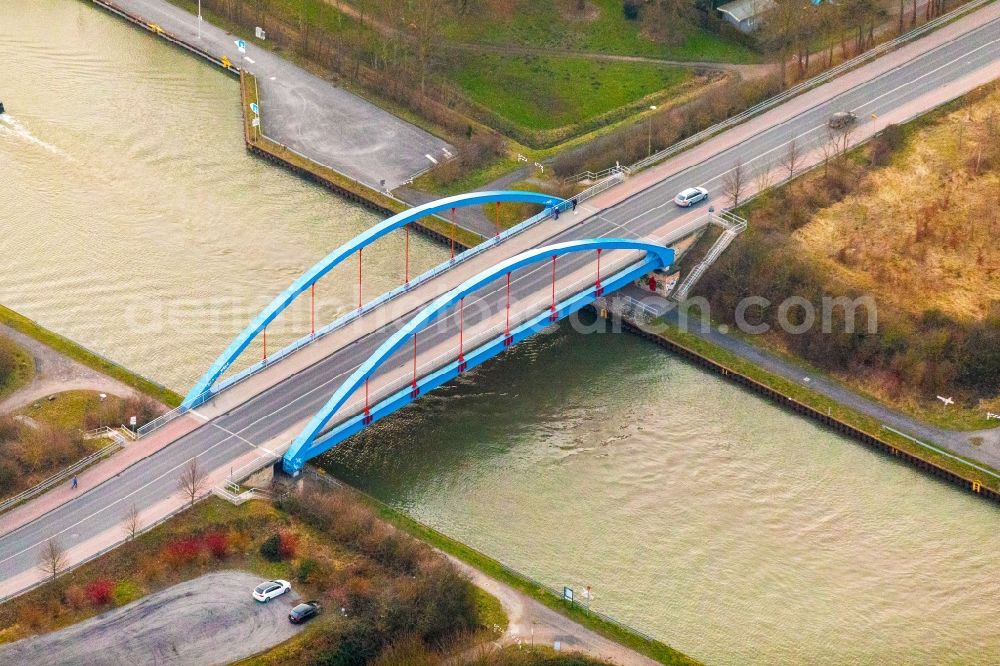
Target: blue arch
point(311, 276)
point(305, 445)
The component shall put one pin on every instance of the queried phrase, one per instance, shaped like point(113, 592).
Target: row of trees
point(790, 32)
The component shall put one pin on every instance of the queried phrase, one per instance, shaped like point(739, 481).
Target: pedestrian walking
point(75, 482)
point(574, 204)
point(557, 212)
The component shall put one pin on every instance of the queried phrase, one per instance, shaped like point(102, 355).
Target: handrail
point(62, 475)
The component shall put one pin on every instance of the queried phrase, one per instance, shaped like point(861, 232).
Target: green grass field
point(554, 25)
point(24, 367)
point(549, 92)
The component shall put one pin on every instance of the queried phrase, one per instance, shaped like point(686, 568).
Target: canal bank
point(953, 469)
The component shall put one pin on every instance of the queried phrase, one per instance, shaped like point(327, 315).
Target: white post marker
point(199, 19)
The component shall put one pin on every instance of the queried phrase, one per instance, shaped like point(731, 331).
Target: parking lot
point(209, 620)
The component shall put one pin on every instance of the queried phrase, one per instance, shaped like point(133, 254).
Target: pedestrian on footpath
point(74, 482)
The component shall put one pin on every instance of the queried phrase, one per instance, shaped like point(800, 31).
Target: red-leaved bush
point(182, 551)
point(100, 591)
point(217, 543)
point(289, 544)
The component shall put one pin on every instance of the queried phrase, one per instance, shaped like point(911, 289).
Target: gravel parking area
point(209, 620)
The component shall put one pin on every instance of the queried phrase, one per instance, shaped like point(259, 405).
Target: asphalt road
point(297, 398)
point(209, 620)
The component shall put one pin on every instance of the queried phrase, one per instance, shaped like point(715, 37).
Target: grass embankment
point(393, 587)
point(88, 358)
point(40, 439)
point(651, 648)
point(905, 221)
point(545, 100)
point(600, 28)
point(17, 367)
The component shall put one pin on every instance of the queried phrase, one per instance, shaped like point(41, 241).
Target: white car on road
point(271, 589)
point(691, 196)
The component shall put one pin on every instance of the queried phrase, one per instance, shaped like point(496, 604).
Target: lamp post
point(649, 132)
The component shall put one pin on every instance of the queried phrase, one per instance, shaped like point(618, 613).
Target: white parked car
point(271, 589)
point(691, 196)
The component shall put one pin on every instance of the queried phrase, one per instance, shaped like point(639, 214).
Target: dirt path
point(55, 373)
point(531, 622)
point(209, 620)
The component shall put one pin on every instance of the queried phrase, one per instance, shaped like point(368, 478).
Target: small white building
point(745, 14)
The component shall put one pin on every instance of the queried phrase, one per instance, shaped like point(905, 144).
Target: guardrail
point(62, 475)
point(797, 89)
point(591, 175)
point(159, 422)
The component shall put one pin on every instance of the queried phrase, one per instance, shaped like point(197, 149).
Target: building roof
point(741, 10)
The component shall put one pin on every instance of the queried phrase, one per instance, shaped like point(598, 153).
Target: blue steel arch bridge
point(489, 308)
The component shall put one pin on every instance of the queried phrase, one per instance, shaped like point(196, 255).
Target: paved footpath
point(312, 116)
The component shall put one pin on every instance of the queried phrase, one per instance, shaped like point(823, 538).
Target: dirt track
point(209, 620)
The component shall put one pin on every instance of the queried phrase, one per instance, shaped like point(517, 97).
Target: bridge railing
point(349, 317)
point(62, 475)
point(401, 379)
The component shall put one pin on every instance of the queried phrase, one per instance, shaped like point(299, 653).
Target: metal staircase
point(732, 225)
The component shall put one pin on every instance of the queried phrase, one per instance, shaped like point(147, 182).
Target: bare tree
point(131, 523)
point(192, 480)
point(792, 158)
point(762, 177)
point(830, 151)
point(735, 183)
point(53, 560)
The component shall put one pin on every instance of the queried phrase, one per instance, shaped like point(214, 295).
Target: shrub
point(217, 543)
point(100, 591)
point(631, 9)
point(307, 568)
point(182, 551)
point(288, 544)
point(9, 428)
point(75, 597)
point(270, 550)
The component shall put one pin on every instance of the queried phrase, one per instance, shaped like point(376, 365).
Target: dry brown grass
point(921, 233)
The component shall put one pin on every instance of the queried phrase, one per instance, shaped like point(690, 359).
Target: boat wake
point(18, 131)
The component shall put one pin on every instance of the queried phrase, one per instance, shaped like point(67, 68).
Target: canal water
point(697, 512)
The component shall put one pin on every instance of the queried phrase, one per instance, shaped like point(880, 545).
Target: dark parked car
point(841, 120)
point(303, 612)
